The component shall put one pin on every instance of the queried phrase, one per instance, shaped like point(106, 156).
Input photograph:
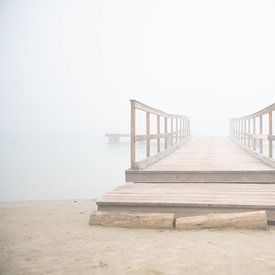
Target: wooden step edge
point(174, 204)
point(133, 220)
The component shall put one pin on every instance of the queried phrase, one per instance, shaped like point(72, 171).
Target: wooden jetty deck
point(206, 159)
point(198, 175)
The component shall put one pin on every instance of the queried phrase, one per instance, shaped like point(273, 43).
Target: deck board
point(206, 159)
point(182, 197)
point(209, 154)
point(205, 175)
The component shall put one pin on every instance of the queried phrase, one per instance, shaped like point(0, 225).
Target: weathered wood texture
point(246, 220)
point(209, 154)
point(241, 132)
point(171, 138)
point(190, 199)
point(206, 159)
point(233, 180)
point(133, 220)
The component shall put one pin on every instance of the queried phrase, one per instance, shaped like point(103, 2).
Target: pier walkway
point(198, 175)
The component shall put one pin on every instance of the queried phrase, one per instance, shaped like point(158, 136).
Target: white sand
point(54, 237)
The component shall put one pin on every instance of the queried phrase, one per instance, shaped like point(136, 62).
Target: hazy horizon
point(69, 68)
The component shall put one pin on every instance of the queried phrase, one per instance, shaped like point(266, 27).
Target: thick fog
point(68, 69)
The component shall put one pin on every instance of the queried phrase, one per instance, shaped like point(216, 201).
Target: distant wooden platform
point(114, 138)
point(190, 199)
point(206, 159)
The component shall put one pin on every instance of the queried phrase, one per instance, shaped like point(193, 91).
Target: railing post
point(172, 132)
point(261, 132)
point(270, 135)
point(254, 133)
point(177, 129)
point(245, 132)
point(165, 131)
point(181, 129)
point(242, 131)
point(133, 134)
point(148, 138)
point(158, 133)
point(249, 136)
point(238, 129)
point(235, 128)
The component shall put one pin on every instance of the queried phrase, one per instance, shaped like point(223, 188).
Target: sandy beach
point(53, 237)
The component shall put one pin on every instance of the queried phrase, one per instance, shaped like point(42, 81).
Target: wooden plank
point(133, 134)
point(249, 177)
point(270, 148)
point(133, 220)
point(209, 154)
point(261, 157)
point(148, 141)
point(158, 133)
point(151, 160)
point(261, 132)
point(191, 199)
point(261, 112)
point(254, 133)
point(172, 132)
point(239, 194)
point(246, 220)
point(165, 131)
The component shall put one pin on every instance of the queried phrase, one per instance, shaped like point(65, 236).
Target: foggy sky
point(70, 67)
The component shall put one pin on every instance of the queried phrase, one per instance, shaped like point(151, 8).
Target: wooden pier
point(198, 175)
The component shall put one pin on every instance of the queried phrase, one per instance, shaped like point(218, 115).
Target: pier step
point(190, 199)
point(255, 176)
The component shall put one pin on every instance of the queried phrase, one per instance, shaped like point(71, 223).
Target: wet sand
point(53, 237)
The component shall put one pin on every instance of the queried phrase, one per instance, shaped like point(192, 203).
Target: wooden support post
point(133, 134)
point(241, 131)
point(254, 133)
point(245, 132)
point(177, 129)
point(249, 133)
point(148, 139)
point(261, 132)
point(184, 128)
point(238, 130)
point(158, 133)
point(172, 132)
point(270, 135)
point(181, 129)
point(165, 131)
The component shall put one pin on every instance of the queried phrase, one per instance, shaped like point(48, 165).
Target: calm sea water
point(60, 169)
point(36, 169)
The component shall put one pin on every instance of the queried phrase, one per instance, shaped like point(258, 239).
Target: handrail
point(176, 136)
point(243, 130)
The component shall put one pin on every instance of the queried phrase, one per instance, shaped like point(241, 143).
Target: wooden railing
point(245, 131)
point(179, 131)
